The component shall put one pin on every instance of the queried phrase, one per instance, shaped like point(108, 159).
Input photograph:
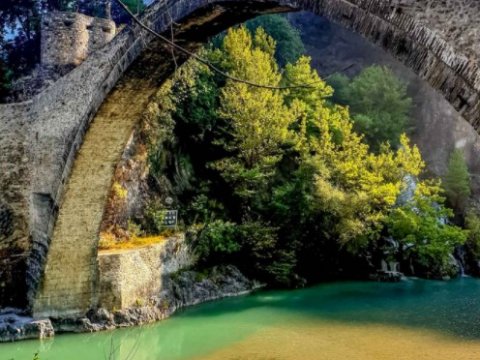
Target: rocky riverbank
point(16, 326)
point(183, 288)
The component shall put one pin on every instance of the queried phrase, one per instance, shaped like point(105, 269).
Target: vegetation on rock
point(422, 227)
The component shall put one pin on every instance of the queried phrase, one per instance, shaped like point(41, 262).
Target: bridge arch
point(58, 218)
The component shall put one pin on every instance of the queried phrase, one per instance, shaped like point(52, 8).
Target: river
point(413, 319)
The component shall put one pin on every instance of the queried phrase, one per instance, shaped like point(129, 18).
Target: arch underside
point(68, 287)
point(68, 284)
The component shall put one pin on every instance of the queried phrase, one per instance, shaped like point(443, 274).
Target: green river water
point(413, 319)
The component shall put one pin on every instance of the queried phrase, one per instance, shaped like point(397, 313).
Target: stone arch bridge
point(58, 150)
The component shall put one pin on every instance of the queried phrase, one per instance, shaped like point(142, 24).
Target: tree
point(350, 185)
point(258, 119)
point(289, 45)
point(6, 75)
point(457, 181)
point(19, 40)
point(378, 102)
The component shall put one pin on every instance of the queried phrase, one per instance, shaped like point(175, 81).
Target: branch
point(173, 40)
point(206, 62)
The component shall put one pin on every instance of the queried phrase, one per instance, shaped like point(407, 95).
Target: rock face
point(188, 288)
point(181, 289)
point(148, 284)
point(15, 327)
point(387, 276)
point(137, 286)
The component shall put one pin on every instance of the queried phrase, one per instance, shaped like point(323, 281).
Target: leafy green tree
point(6, 75)
point(472, 245)
point(195, 85)
point(289, 45)
point(258, 118)
point(457, 181)
point(348, 185)
point(136, 6)
point(217, 241)
point(378, 102)
point(251, 245)
point(19, 40)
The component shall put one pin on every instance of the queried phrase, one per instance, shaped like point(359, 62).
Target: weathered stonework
point(68, 38)
point(39, 141)
point(134, 278)
point(15, 177)
point(136, 286)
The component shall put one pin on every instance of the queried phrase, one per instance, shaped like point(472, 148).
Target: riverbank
point(183, 289)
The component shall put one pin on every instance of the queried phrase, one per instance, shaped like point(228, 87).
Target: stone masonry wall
point(15, 158)
point(68, 38)
point(130, 278)
point(45, 136)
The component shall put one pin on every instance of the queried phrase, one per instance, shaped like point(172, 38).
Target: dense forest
point(301, 184)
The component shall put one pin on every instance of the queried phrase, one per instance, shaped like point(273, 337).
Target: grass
point(108, 241)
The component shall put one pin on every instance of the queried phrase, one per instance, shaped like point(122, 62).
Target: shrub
point(217, 240)
point(422, 228)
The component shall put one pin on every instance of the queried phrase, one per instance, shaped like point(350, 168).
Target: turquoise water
point(443, 312)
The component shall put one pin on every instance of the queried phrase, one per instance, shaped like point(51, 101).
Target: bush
point(154, 219)
point(428, 241)
point(217, 240)
point(252, 246)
